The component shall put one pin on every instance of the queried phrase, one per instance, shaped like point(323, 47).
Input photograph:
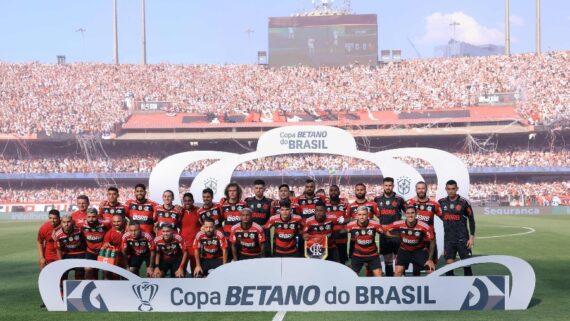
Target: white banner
point(291, 284)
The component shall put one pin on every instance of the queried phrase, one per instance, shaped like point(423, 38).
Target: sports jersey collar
point(113, 205)
point(457, 197)
point(415, 223)
point(367, 222)
point(391, 195)
point(168, 209)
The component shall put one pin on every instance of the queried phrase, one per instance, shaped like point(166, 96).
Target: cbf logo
point(404, 185)
point(211, 183)
point(145, 292)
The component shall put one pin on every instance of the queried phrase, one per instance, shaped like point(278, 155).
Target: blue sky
point(208, 31)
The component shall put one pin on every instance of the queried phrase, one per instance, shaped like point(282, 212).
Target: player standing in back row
point(456, 213)
point(261, 207)
point(391, 208)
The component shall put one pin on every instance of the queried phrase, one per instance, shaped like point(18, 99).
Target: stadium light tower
point(453, 25)
point(538, 49)
point(507, 29)
point(143, 30)
point(116, 34)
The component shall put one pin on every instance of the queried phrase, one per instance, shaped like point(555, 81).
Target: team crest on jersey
point(112, 211)
point(140, 208)
point(137, 243)
point(369, 232)
point(422, 207)
point(328, 227)
point(146, 208)
point(404, 185)
point(429, 208)
point(445, 207)
point(458, 207)
point(417, 233)
point(252, 236)
point(387, 202)
point(394, 203)
point(258, 205)
point(233, 208)
point(410, 232)
point(309, 201)
point(245, 234)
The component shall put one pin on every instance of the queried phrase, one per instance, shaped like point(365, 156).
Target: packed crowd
point(82, 98)
point(514, 193)
point(144, 163)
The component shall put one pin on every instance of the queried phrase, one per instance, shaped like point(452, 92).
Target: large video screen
point(323, 40)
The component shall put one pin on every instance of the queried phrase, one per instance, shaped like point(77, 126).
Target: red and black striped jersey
point(171, 215)
point(231, 214)
point(364, 237)
point(107, 210)
point(425, 210)
point(213, 212)
point(94, 235)
point(72, 243)
point(390, 208)
point(326, 228)
point(285, 233)
point(412, 238)
point(142, 213)
point(171, 249)
point(275, 207)
point(338, 210)
point(210, 247)
point(261, 209)
point(353, 207)
point(307, 205)
point(139, 246)
point(248, 240)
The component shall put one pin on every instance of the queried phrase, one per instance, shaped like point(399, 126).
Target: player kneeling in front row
point(363, 234)
point(210, 249)
point(247, 238)
point(138, 247)
point(287, 227)
point(171, 253)
point(413, 235)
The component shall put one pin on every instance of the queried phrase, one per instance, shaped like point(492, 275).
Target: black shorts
point(389, 245)
point(294, 254)
point(358, 262)
point(454, 248)
point(248, 257)
point(91, 256)
point(170, 265)
point(342, 252)
point(210, 264)
point(333, 254)
point(135, 261)
point(418, 258)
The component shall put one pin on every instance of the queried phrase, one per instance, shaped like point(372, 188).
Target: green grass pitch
point(546, 250)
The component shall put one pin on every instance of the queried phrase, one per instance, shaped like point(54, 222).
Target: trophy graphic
point(145, 292)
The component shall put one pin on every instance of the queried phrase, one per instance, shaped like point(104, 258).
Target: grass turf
point(544, 249)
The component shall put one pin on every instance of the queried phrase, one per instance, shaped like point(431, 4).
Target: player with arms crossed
point(456, 213)
point(210, 249)
point(413, 235)
point(287, 227)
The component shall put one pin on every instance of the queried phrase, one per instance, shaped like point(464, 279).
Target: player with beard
point(114, 239)
point(306, 203)
point(391, 207)
point(94, 231)
point(360, 194)
point(231, 206)
point(322, 224)
point(426, 210)
point(363, 231)
point(456, 213)
point(141, 209)
point(47, 247)
point(247, 238)
point(210, 209)
point(167, 213)
point(189, 225)
point(284, 194)
point(81, 213)
point(70, 243)
point(112, 206)
point(210, 248)
point(287, 228)
point(336, 206)
point(261, 207)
